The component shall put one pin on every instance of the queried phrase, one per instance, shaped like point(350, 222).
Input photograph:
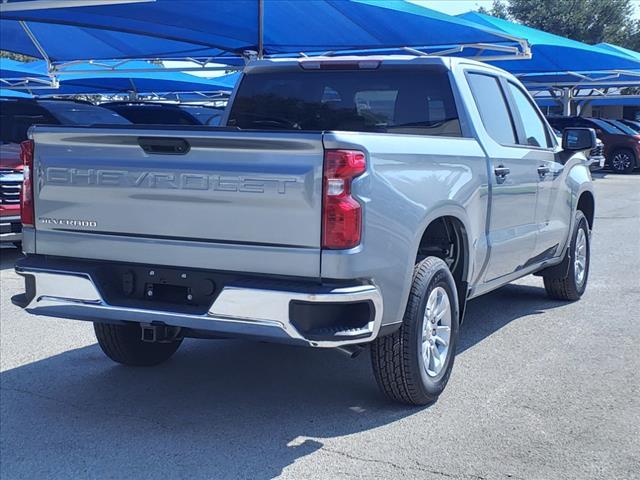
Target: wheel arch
point(448, 225)
point(587, 205)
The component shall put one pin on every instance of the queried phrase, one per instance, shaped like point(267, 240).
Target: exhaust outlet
point(352, 351)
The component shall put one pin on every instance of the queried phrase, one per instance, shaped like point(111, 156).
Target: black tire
point(397, 358)
point(18, 245)
point(622, 160)
point(567, 287)
point(123, 344)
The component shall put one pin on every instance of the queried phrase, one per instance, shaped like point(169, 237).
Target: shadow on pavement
point(489, 313)
point(8, 257)
point(605, 173)
point(218, 409)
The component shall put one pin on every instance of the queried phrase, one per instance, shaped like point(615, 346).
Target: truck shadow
point(8, 257)
point(219, 409)
point(489, 313)
point(603, 174)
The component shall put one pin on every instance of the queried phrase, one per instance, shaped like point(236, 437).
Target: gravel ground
point(541, 390)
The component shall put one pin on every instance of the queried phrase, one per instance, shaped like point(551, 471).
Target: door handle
point(501, 171)
point(543, 170)
point(164, 146)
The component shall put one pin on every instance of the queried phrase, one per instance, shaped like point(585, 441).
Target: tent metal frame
point(567, 92)
point(520, 51)
point(565, 96)
point(31, 83)
point(583, 80)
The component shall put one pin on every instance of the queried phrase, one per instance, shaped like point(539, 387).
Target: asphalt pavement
point(541, 389)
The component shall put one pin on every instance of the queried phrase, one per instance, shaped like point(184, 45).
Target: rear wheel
point(573, 282)
point(622, 161)
point(413, 364)
point(123, 344)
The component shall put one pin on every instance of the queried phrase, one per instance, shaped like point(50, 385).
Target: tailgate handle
point(164, 146)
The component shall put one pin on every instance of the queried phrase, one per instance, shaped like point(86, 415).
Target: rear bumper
point(237, 311)
point(10, 229)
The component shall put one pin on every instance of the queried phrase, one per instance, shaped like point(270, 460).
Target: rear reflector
point(341, 213)
point(26, 194)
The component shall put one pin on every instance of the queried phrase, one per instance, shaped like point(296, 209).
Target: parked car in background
point(156, 113)
point(350, 202)
point(631, 123)
point(10, 184)
point(620, 125)
point(16, 116)
point(596, 156)
point(621, 148)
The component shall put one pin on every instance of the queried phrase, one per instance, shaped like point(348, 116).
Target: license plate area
point(169, 293)
point(152, 288)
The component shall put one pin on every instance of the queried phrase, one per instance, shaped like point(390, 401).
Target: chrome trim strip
point(10, 237)
point(236, 310)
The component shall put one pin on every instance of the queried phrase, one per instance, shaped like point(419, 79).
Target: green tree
point(498, 9)
point(16, 56)
point(589, 21)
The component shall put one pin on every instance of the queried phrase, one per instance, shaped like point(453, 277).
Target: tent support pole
point(260, 29)
point(36, 43)
point(133, 93)
point(566, 102)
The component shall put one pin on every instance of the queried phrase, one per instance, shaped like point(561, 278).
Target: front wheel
point(622, 161)
point(573, 282)
point(413, 364)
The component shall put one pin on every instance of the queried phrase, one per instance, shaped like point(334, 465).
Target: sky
point(454, 7)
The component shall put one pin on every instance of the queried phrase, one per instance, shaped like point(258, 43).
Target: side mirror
point(575, 138)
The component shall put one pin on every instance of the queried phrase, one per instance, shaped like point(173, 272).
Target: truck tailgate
point(220, 199)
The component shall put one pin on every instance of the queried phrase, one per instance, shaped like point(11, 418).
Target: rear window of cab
point(418, 102)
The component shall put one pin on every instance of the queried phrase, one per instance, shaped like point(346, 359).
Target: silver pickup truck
point(343, 202)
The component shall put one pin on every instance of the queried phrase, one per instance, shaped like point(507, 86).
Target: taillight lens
point(341, 213)
point(26, 194)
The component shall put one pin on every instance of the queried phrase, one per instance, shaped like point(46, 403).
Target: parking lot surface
point(541, 390)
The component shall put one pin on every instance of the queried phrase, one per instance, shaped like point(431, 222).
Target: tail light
point(26, 194)
point(341, 213)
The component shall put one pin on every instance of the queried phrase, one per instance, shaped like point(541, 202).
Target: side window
point(493, 108)
point(535, 132)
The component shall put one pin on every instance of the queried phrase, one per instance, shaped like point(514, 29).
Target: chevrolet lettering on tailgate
point(183, 181)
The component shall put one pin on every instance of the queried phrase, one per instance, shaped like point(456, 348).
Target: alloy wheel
point(436, 331)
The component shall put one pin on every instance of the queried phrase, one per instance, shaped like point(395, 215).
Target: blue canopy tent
point(625, 100)
point(23, 75)
point(107, 82)
point(552, 53)
point(13, 93)
point(206, 29)
point(563, 64)
point(619, 50)
point(578, 80)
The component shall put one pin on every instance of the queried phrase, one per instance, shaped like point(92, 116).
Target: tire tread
point(390, 355)
point(564, 288)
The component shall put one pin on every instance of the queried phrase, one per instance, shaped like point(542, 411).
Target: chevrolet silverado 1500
point(343, 202)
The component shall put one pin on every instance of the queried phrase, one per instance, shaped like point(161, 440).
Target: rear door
point(553, 205)
point(512, 226)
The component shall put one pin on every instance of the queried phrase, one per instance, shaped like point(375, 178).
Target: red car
point(10, 183)
point(16, 116)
